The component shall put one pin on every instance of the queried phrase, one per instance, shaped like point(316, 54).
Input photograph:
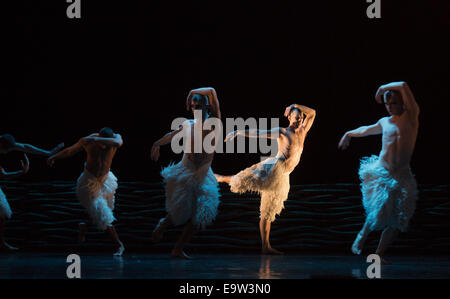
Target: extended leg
point(360, 239)
point(3, 244)
point(113, 233)
point(264, 228)
point(223, 178)
point(188, 231)
point(388, 235)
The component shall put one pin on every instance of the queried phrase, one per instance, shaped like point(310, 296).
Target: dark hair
point(295, 108)
point(7, 141)
point(200, 98)
point(106, 132)
point(389, 94)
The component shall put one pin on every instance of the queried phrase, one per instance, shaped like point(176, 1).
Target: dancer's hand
point(51, 161)
point(25, 164)
point(345, 142)
point(155, 153)
point(379, 95)
point(288, 110)
point(2, 171)
point(231, 136)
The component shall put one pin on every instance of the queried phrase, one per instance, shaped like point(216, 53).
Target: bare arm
point(68, 152)
point(13, 174)
point(255, 133)
point(212, 96)
point(30, 149)
point(111, 141)
point(360, 132)
point(309, 112)
point(166, 139)
point(411, 106)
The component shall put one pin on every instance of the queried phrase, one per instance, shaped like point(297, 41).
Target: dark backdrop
point(130, 64)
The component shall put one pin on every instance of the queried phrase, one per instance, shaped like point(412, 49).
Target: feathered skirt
point(96, 195)
point(268, 178)
point(191, 193)
point(5, 210)
point(389, 197)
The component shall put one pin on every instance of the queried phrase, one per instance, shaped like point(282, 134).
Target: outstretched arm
point(411, 106)
point(68, 152)
point(360, 132)
point(309, 112)
point(111, 141)
point(166, 139)
point(212, 96)
point(13, 174)
point(30, 149)
point(255, 133)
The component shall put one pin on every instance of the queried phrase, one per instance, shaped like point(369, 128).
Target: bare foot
point(5, 246)
point(180, 255)
point(272, 251)
point(158, 232)
point(357, 244)
point(120, 251)
point(82, 233)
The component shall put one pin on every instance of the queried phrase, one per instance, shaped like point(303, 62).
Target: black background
point(130, 64)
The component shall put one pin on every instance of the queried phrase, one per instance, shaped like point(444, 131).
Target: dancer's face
point(394, 105)
point(199, 105)
point(295, 119)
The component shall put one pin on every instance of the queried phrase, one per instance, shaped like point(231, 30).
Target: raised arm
point(13, 174)
point(68, 152)
point(111, 141)
point(255, 133)
point(310, 115)
point(212, 96)
point(411, 106)
point(360, 132)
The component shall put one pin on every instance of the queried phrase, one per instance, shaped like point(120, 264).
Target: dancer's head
point(295, 117)
point(393, 102)
point(7, 143)
point(200, 102)
point(106, 132)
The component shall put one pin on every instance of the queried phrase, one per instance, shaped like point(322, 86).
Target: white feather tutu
point(268, 178)
point(191, 194)
point(389, 197)
point(97, 196)
point(5, 210)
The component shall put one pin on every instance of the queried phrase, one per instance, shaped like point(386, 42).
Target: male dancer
point(388, 187)
point(9, 144)
point(270, 178)
point(192, 193)
point(97, 185)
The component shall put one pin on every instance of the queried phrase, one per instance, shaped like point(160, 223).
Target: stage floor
point(220, 266)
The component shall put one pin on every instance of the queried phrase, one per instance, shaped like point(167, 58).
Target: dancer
point(5, 210)
point(387, 184)
point(9, 144)
point(270, 178)
point(192, 192)
point(97, 185)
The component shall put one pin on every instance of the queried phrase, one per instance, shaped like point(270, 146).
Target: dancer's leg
point(113, 233)
point(264, 228)
point(162, 225)
point(361, 239)
point(3, 244)
point(223, 178)
point(386, 239)
point(188, 231)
